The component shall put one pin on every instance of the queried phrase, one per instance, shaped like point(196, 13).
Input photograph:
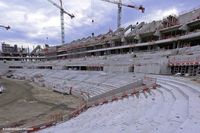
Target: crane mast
point(120, 4)
point(119, 14)
point(62, 23)
point(62, 12)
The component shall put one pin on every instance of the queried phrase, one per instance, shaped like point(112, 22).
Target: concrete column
point(158, 34)
point(178, 44)
point(171, 70)
point(121, 51)
point(149, 48)
point(130, 50)
point(198, 70)
point(185, 28)
point(138, 37)
point(174, 45)
point(179, 69)
point(116, 51)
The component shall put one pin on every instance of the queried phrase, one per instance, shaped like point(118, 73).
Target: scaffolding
point(191, 67)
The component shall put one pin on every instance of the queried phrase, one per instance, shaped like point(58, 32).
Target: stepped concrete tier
point(184, 60)
point(174, 107)
point(80, 83)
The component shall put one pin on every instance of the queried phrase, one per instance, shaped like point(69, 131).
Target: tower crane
point(62, 12)
point(120, 4)
point(6, 27)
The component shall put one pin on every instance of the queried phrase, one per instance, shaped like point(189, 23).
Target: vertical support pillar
point(190, 70)
point(179, 70)
point(193, 70)
point(178, 44)
point(171, 70)
point(174, 45)
point(198, 71)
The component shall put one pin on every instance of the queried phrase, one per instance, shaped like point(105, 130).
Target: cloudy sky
point(36, 22)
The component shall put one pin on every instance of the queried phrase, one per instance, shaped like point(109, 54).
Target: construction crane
point(6, 27)
point(120, 4)
point(62, 12)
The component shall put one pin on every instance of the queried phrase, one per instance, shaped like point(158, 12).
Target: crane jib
point(131, 6)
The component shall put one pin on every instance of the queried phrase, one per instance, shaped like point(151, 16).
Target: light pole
point(6, 27)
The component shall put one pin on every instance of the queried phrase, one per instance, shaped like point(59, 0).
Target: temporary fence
point(184, 61)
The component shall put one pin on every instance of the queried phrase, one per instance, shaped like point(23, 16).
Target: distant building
point(6, 48)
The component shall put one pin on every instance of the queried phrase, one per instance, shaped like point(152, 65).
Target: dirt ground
point(24, 104)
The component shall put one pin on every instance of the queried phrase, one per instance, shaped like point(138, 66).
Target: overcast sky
point(33, 21)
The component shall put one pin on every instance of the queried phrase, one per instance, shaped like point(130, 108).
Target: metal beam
point(6, 27)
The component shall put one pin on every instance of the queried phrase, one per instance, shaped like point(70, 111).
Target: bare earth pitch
point(25, 104)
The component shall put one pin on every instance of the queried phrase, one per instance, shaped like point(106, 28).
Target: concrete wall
point(116, 68)
point(148, 68)
point(155, 62)
point(186, 17)
point(3, 68)
point(115, 92)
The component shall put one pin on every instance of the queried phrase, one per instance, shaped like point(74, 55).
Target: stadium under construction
point(141, 78)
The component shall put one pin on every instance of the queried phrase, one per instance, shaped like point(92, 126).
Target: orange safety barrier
point(133, 91)
point(105, 101)
point(41, 126)
point(124, 95)
point(154, 86)
point(176, 62)
point(114, 98)
point(145, 89)
point(99, 102)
